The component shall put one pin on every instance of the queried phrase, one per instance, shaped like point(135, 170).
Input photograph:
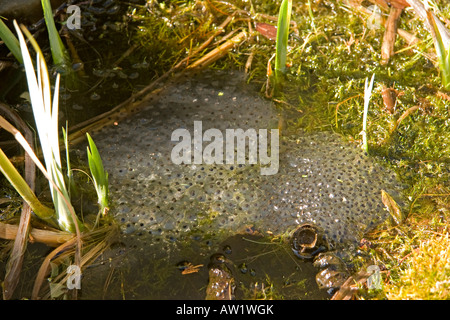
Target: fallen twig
point(387, 48)
point(350, 286)
point(218, 52)
point(48, 237)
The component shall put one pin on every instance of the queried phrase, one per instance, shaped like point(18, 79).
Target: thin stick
point(218, 52)
point(387, 48)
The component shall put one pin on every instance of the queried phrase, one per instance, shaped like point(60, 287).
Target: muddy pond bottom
point(175, 216)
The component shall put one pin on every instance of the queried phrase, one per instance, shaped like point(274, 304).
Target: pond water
point(261, 270)
point(172, 212)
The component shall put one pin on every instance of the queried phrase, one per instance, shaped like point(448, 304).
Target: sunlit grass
point(416, 255)
point(427, 275)
point(367, 95)
point(45, 111)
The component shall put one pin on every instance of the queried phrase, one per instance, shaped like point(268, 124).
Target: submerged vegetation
point(333, 48)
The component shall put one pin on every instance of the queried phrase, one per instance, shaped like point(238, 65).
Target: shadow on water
point(261, 270)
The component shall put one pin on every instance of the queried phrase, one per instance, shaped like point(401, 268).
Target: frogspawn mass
point(160, 202)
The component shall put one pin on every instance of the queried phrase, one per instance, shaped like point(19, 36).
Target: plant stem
point(311, 15)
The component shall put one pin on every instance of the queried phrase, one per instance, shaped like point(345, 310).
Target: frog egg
point(317, 171)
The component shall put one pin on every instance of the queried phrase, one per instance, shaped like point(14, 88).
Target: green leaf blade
point(99, 174)
point(10, 41)
point(284, 20)
point(59, 52)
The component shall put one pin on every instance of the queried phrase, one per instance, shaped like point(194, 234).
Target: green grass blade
point(99, 175)
point(17, 181)
point(59, 52)
point(446, 74)
point(442, 52)
point(20, 185)
point(10, 41)
point(311, 15)
point(284, 20)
